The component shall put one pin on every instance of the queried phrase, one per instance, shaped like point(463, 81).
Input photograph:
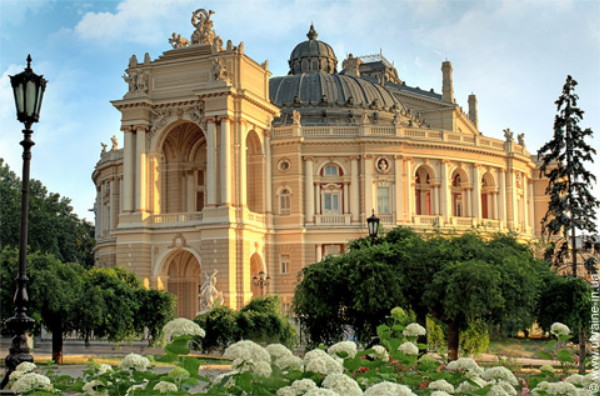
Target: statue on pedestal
point(209, 295)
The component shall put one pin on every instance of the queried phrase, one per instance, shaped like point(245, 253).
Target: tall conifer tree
point(572, 207)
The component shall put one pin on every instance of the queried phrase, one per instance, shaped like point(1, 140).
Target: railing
point(386, 218)
point(462, 221)
point(343, 219)
point(280, 132)
point(490, 223)
point(426, 220)
point(175, 218)
point(330, 131)
point(383, 130)
point(256, 217)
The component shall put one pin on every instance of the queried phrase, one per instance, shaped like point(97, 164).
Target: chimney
point(447, 90)
point(473, 110)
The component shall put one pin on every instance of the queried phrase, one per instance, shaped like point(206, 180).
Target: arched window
point(423, 192)
point(457, 201)
point(331, 170)
point(284, 202)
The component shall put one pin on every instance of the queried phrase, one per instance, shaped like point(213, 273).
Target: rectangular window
point(383, 200)
point(284, 204)
point(331, 203)
point(333, 250)
point(285, 263)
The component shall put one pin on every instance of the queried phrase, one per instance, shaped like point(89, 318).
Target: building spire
point(312, 33)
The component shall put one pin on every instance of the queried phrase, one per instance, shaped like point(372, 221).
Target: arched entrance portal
point(183, 272)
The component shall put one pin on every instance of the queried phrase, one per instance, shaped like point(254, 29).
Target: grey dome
point(329, 89)
point(312, 56)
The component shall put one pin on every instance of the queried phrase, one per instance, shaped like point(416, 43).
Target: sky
point(514, 55)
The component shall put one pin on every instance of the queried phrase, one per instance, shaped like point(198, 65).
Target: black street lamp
point(262, 280)
point(29, 90)
point(373, 223)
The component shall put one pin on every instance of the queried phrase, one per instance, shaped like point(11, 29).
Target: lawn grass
point(518, 347)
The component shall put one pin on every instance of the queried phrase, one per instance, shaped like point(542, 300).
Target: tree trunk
point(582, 342)
point(422, 320)
point(453, 341)
point(57, 345)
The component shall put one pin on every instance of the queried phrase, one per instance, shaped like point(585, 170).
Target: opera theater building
point(226, 167)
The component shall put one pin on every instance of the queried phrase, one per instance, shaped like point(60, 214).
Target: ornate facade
point(225, 168)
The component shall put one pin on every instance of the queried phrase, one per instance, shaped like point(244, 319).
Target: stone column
point(435, 193)
point(531, 207)
point(368, 194)
point(476, 193)
point(501, 195)
point(354, 190)
point(525, 219)
point(467, 208)
point(444, 196)
point(398, 198)
point(319, 252)
point(309, 190)
point(211, 163)
point(113, 202)
point(190, 191)
point(141, 168)
point(225, 161)
point(410, 178)
point(100, 215)
point(268, 173)
point(128, 169)
point(511, 197)
point(346, 203)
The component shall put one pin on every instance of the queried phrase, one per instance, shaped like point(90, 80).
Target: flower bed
point(392, 368)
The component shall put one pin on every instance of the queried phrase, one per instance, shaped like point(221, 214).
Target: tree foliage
point(572, 206)
point(53, 227)
point(260, 321)
point(459, 280)
point(66, 297)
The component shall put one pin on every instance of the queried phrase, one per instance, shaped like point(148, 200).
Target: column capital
point(354, 157)
point(224, 117)
point(368, 156)
point(211, 119)
point(308, 158)
point(500, 170)
point(446, 161)
point(409, 159)
point(127, 128)
point(398, 156)
point(141, 128)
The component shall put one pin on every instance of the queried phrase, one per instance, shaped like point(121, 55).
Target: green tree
point(53, 227)
point(572, 206)
point(66, 297)
point(459, 280)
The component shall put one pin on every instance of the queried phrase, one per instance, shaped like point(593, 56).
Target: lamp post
point(262, 280)
point(28, 89)
point(373, 224)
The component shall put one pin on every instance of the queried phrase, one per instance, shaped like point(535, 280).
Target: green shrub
point(260, 321)
point(436, 340)
point(475, 339)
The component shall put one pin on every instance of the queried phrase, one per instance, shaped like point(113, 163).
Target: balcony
point(333, 220)
point(175, 219)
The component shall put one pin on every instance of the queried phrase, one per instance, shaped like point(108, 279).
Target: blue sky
point(514, 54)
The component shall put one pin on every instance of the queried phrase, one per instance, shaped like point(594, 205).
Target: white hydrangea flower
point(182, 326)
point(277, 351)
point(135, 388)
point(321, 392)
point(414, 330)
point(584, 392)
point(15, 375)
point(379, 353)
point(263, 369)
point(468, 365)
point(314, 354)
point(500, 373)
point(26, 367)
point(178, 374)
point(387, 388)
point(290, 362)
point(503, 386)
point(165, 387)
point(29, 382)
point(441, 385)
point(104, 368)
point(498, 390)
point(324, 365)
point(342, 385)
point(555, 388)
point(409, 348)
point(135, 362)
point(302, 386)
point(286, 391)
point(547, 368)
point(576, 379)
point(90, 390)
point(349, 347)
point(559, 329)
point(440, 393)
point(246, 351)
point(467, 387)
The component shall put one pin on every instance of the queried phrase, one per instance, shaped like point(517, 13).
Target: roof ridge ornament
point(312, 33)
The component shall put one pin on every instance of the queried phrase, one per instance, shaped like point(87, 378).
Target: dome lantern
point(312, 56)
